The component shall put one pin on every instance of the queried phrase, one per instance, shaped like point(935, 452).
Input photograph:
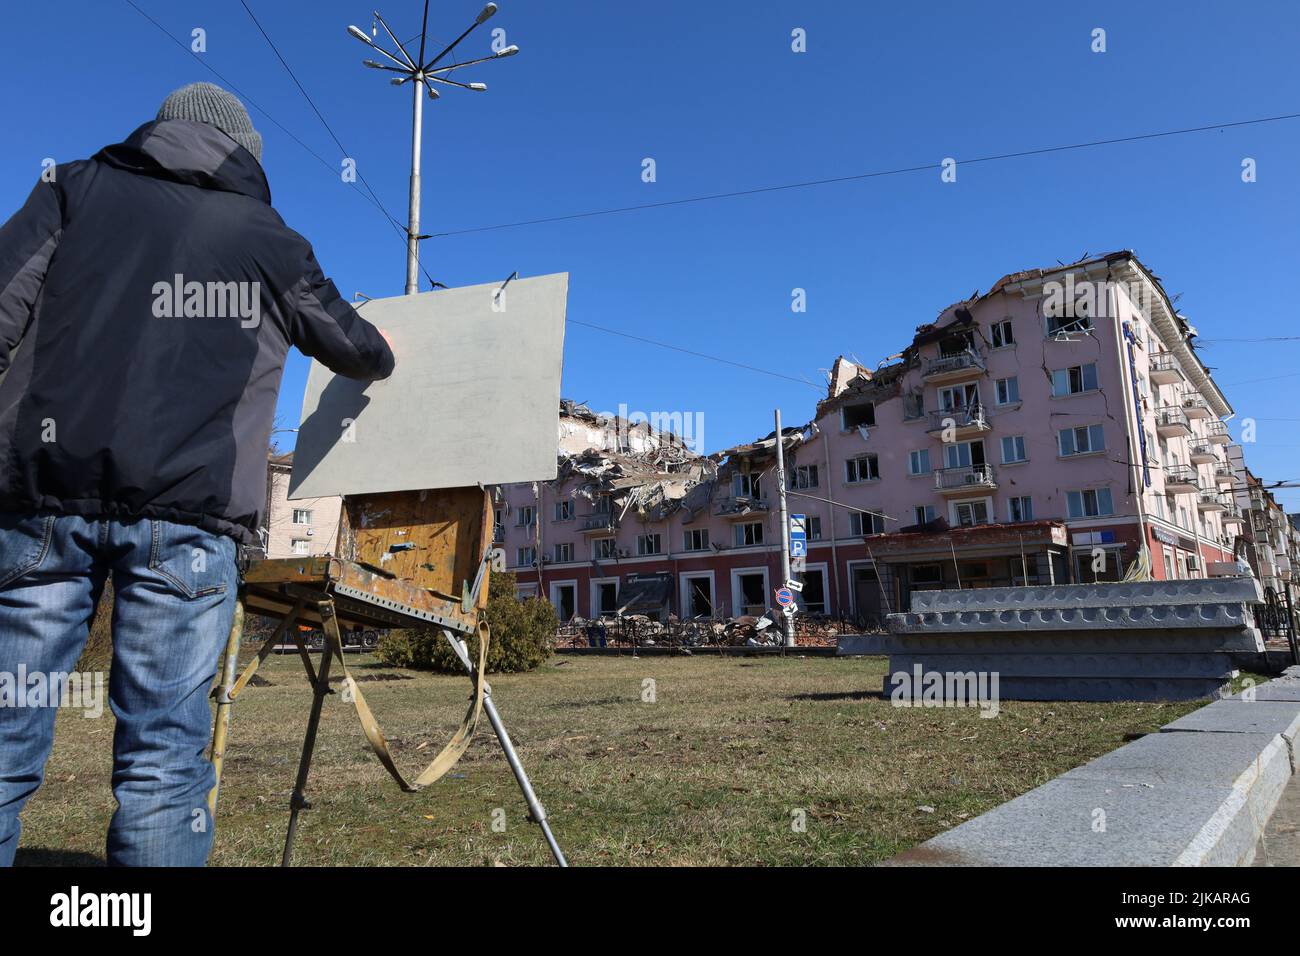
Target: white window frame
point(1003, 329)
point(689, 533)
point(568, 545)
point(874, 466)
point(306, 516)
point(915, 456)
point(1096, 493)
point(596, 545)
point(1028, 501)
point(1002, 446)
point(642, 540)
point(737, 608)
point(1073, 433)
point(738, 536)
point(1012, 383)
point(955, 506)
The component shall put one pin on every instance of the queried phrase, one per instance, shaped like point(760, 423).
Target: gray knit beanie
point(209, 103)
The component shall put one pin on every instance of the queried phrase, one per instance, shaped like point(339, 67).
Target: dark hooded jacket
point(148, 297)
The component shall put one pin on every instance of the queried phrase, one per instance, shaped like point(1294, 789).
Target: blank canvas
point(474, 398)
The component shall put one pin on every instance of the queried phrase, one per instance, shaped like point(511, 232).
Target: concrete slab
point(1137, 617)
point(1101, 689)
point(1080, 665)
point(1136, 641)
point(1236, 716)
point(1112, 594)
point(1282, 689)
point(1177, 799)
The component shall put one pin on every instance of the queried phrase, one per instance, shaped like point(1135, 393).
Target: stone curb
point(1198, 793)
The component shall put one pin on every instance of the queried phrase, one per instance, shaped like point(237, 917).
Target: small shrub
point(523, 636)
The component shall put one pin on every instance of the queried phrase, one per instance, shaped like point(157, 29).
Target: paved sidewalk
point(1280, 844)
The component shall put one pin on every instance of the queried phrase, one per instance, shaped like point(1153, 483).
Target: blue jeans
point(175, 588)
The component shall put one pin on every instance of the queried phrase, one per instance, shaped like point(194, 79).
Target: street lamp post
point(423, 76)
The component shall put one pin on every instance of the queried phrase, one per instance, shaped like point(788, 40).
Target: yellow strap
point(459, 741)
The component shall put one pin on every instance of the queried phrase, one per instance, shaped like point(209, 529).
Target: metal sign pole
point(787, 624)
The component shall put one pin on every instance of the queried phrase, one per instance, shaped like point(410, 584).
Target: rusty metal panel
point(474, 398)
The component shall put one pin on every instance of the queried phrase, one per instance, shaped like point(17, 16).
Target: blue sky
point(715, 95)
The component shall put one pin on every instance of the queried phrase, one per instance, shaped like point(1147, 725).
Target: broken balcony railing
point(946, 479)
point(599, 521)
point(971, 417)
point(740, 505)
point(948, 364)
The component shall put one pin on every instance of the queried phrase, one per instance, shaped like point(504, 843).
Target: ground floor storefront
point(866, 578)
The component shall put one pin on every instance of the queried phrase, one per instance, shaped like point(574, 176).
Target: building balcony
point(961, 481)
point(965, 422)
point(953, 368)
point(1171, 422)
point(1195, 406)
point(1231, 514)
point(1223, 474)
point(1211, 501)
point(1202, 453)
point(741, 506)
point(1217, 432)
point(1165, 369)
point(1181, 479)
point(599, 523)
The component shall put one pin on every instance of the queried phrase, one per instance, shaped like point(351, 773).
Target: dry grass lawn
point(712, 772)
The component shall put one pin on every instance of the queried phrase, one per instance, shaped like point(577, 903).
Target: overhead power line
point(334, 170)
point(703, 355)
point(856, 177)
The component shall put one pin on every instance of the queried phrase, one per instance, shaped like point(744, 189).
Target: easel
point(403, 558)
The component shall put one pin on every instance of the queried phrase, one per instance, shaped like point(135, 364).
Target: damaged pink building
point(1040, 433)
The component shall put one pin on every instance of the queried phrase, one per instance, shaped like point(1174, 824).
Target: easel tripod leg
point(535, 809)
point(298, 800)
point(221, 727)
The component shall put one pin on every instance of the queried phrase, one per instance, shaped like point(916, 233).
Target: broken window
point(696, 539)
point(864, 523)
point(648, 544)
point(602, 505)
point(957, 344)
point(526, 516)
point(814, 525)
point(862, 468)
point(525, 557)
point(498, 527)
point(1001, 334)
point(913, 406)
point(853, 416)
point(970, 513)
point(813, 597)
point(564, 510)
point(604, 548)
point(1068, 316)
point(927, 574)
point(923, 514)
point(563, 553)
point(959, 396)
point(746, 486)
point(1073, 380)
point(749, 533)
point(805, 476)
point(1020, 508)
